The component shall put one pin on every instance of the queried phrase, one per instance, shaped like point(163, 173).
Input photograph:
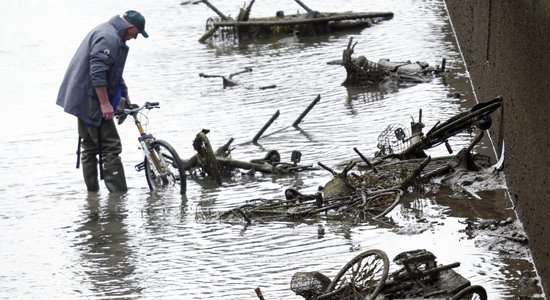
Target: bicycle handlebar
point(150, 105)
point(134, 108)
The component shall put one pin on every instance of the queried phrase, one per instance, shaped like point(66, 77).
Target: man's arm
point(106, 107)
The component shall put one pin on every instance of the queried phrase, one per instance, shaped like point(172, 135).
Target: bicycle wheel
point(171, 173)
point(471, 292)
point(381, 204)
point(365, 274)
point(464, 121)
point(479, 116)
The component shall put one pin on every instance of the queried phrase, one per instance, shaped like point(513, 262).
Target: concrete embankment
point(506, 47)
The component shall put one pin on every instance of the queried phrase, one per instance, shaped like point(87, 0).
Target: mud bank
point(505, 46)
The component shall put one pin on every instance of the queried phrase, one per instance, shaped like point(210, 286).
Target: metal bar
point(365, 160)
point(306, 111)
point(215, 9)
point(304, 6)
point(259, 134)
point(267, 23)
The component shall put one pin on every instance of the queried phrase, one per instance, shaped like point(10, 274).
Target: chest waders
point(99, 151)
point(106, 146)
point(100, 161)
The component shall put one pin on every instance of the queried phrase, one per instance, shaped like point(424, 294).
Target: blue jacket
point(99, 61)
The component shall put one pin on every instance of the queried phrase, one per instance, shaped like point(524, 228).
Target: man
point(91, 90)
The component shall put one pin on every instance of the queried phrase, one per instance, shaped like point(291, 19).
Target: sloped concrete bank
point(506, 47)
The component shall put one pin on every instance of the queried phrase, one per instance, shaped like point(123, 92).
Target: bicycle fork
point(150, 155)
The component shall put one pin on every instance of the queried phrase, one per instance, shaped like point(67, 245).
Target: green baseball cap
point(136, 19)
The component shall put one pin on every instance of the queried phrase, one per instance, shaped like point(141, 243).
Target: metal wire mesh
point(309, 284)
point(362, 72)
point(393, 139)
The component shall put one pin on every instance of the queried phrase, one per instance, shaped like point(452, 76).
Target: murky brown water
point(57, 241)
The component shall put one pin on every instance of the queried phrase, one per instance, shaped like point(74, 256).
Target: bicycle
point(478, 117)
point(367, 276)
point(163, 167)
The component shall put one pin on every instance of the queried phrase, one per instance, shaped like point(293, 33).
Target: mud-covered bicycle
point(163, 167)
point(368, 276)
point(479, 117)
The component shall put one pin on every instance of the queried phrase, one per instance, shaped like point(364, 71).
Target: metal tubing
point(303, 5)
point(259, 134)
point(215, 10)
point(305, 112)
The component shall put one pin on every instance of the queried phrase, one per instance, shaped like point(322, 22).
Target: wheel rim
point(164, 180)
point(364, 275)
point(172, 171)
point(382, 204)
point(472, 292)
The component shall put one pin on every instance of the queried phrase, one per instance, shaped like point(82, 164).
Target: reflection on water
point(107, 255)
point(365, 95)
point(58, 241)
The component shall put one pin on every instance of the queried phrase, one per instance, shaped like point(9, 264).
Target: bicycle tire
point(449, 129)
point(471, 291)
point(459, 123)
point(384, 207)
point(363, 276)
point(174, 174)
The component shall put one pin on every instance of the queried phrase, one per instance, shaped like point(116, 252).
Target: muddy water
point(58, 241)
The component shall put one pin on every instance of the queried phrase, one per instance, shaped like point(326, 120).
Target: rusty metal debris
point(193, 2)
point(368, 276)
point(413, 145)
point(382, 181)
point(367, 196)
point(228, 81)
point(218, 164)
point(364, 72)
point(312, 22)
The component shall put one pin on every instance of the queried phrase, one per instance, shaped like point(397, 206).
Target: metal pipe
point(304, 6)
point(306, 111)
point(215, 10)
point(259, 134)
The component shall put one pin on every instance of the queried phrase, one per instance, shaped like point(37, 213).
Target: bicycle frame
point(145, 140)
point(162, 165)
point(439, 133)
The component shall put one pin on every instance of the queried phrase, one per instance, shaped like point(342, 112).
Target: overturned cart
point(368, 276)
point(311, 23)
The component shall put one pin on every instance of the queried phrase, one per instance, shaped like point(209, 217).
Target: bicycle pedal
point(140, 167)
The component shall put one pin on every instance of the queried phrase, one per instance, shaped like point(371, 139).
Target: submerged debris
point(505, 236)
point(228, 81)
point(378, 188)
point(367, 196)
point(218, 164)
point(193, 2)
point(311, 23)
point(363, 72)
point(367, 276)
point(478, 118)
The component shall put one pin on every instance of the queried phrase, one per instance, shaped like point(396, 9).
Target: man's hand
point(107, 111)
point(106, 108)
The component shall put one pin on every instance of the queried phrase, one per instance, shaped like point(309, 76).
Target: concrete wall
point(506, 47)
